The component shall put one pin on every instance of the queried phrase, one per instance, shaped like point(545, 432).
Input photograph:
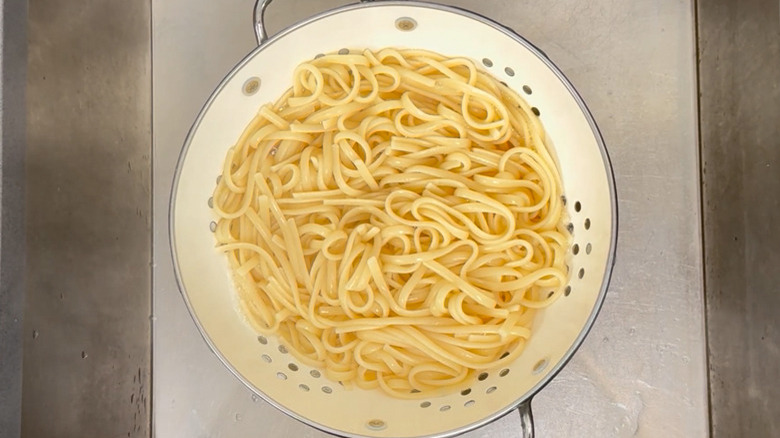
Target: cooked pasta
point(396, 218)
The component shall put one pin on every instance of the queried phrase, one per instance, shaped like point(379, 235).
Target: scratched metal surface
point(642, 371)
point(86, 320)
point(739, 47)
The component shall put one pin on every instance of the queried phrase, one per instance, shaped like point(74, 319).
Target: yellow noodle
point(396, 219)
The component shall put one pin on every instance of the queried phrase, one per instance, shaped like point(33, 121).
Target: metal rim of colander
point(528, 395)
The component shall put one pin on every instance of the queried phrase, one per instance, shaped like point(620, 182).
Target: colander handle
point(526, 419)
point(258, 17)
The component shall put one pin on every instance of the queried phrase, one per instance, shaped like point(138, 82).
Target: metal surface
point(642, 371)
point(739, 67)
point(87, 329)
point(13, 66)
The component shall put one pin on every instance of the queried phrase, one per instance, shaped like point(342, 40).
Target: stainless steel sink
point(739, 89)
point(13, 49)
point(687, 95)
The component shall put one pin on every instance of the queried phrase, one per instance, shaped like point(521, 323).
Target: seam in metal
point(702, 210)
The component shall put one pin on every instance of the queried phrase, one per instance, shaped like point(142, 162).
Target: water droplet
point(84, 355)
point(239, 417)
point(255, 398)
point(35, 334)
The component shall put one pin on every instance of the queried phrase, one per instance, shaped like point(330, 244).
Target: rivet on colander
point(327, 389)
point(376, 425)
point(251, 86)
point(509, 71)
point(491, 390)
point(262, 340)
point(527, 89)
point(469, 403)
point(292, 367)
point(281, 376)
point(588, 248)
point(267, 358)
point(405, 24)
point(445, 408)
point(504, 372)
point(213, 226)
point(425, 404)
point(314, 373)
point(487, 62)
point(482, 376)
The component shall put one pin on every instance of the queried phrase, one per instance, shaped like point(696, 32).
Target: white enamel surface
point(203, 271)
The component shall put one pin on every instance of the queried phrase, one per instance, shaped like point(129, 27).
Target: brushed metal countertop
point(13, 54)
point(642, 371)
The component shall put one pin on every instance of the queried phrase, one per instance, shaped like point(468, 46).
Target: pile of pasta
point(396, 218)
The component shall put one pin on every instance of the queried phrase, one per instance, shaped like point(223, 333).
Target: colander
point(267, 367)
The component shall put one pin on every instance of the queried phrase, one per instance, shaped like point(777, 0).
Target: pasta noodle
point(396, 217)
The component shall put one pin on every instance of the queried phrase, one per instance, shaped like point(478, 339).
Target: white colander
point(265, 366)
